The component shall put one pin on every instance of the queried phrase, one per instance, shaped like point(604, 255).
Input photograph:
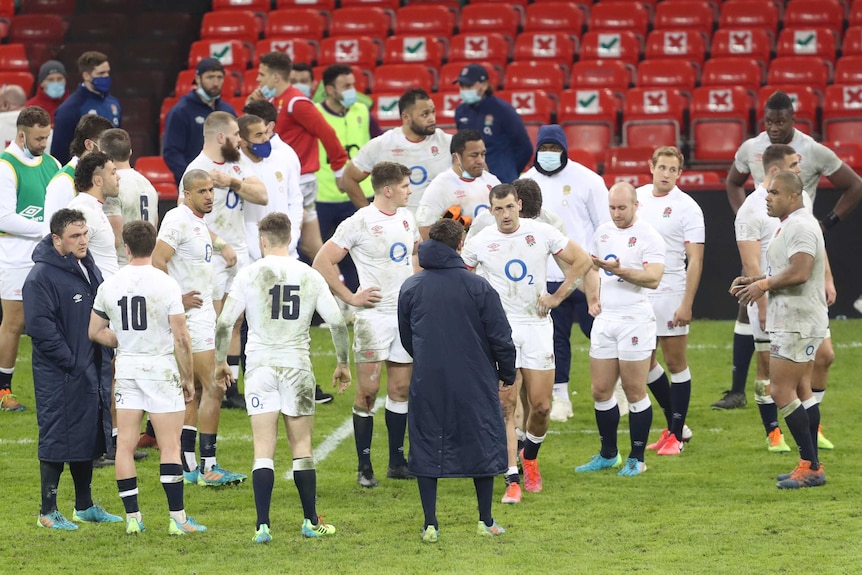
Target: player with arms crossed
point(279, 295)
point(513, 257)
point(381, 238)
point(140, 312)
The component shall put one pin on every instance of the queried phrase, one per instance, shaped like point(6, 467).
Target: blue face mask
point(549, 161)
point(55, 89)
point(464, 174)
point(204, 96)
point(261, 150)
point(102, 85)
point(267, 92)
point(348, 97)
point(304, 88)
point(470, 96)
point(27, 153)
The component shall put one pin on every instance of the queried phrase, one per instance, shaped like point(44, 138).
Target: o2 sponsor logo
point(516, 270)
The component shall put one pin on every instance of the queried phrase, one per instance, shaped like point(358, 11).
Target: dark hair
point(333, 72)
point(792, 179)
point(140, 236)
point(245, 123)
point(447, 231)
point(86, 168)
point(774, 154)
point(278, 62)
point(262, 109)
point(530, 195)
point(192, 176)
point(117, 144)
point(276, 228)
point(63, 218)
point(89, 127)
point(32, 116)
point(460, 139)
point(779, 101)
point(500, 191)
point(303, 67)
point(408, 99)
point(388, 174)
point(89, 61)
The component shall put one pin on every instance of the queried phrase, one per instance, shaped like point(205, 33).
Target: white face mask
point(549, 161)
point(469, 96)
point(464, 174)
point(27, 153)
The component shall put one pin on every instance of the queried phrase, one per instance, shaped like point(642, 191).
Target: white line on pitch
point(25, 441)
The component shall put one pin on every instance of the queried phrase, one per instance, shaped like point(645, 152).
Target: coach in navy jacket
point(508, 146)
point(85, 100)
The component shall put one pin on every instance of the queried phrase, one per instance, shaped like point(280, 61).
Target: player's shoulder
point(441, 136)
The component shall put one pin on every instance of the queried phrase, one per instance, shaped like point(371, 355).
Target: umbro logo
point(78, 298)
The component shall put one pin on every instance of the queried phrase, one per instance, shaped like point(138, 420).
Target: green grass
point(713, 510)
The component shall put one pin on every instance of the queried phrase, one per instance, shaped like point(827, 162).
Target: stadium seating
point(535, 107)
point(262, 6)
point(373, 22)
point(589, 118)
point(611, 74)
point(583, 157)
point(425, 19)
point(631, 160)
point(653, 117)
point(808, 13)
point(18, 78)
point(232, 54)
point(414, 48)
point(808, 71)
point(362, 77)
point(13, 57)
point(733, 71)
point(486, 17)
point(552, 46)
point(108, 28)
point(355, 51)
point(60, 7)
point(390, 5)
point(848, 70)
point(533, 75)
point(386, 108)
point(232, 83)
point(692, 15)
point(842, 113)
point(620, 45)
point(554, 17)
point(485, 46)
point(297, 23)
point(328, 5)
point(450, 72)
point(812, 42)
point(749, 15)
point(401, 77)
point(719, 122)
point(37, 28)
point(688, 45)
point(667, 73)
point(850, 152)
point(852, 45)
point(754, 43)
point(231, 25)
point(157, 172)
point(615, 16)
point(299, 50)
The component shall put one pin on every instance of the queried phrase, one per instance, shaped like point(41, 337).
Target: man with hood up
point(578, 196)
point(455, 419)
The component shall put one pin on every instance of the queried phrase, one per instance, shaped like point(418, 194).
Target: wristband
point(762, 285)
point(219, 244)
point(830, 220)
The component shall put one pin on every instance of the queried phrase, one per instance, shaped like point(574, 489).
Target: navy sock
point(799, 426)
point(396, 426)
point(428, 495)
point(49, 472)
point(5, 380)
point(680, 396)
point(172, 483)
point(639, 424)
point(208, 445)
point(188, 438)
point(743, 349)
point(484, 496)
point(608, 421)
point(531, 449)
point(661, 391)
point(306, 485)
point(233, 390)
point(814, 424)
point(769, 416)
point(262, 481)
point(152, 432)
point(363, 429)
point(128, 489)
point(82, 475)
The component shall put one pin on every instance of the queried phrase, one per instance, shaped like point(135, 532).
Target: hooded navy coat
point(71, 374)
point(452, 322)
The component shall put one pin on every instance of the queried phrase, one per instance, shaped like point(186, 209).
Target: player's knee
point(541, 409)
point(825, 356)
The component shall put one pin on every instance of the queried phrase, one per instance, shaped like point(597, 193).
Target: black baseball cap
point(472, 73)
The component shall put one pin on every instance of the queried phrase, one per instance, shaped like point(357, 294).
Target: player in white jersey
point(630, 256)
point(279, 295)
point(531, 208)
point(96, 180)
point(184, 251)
point(465, 185)
point(381, 238)
point(513, 257)
point(796, 319)
point(140, 312)
point(679, 220)
point(418, 144)
point(579, 196)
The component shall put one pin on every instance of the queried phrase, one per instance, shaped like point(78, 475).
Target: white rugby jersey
point(61, 190)
point(449, 189)
point(191, 264)
point(486, 219)
point(280, 174)
point(679, 220)
point(138, 301)
point(753, 224)
point(381, 246)
point(138, 200)
point(516, 264)
point(426, 158)
point(279, 295)
point(634, 246)
point(102, 240)
point(579, 196)
point(814, 159)
point(802, 308)
point(226, 219)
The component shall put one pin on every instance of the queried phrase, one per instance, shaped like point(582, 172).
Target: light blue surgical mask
point(464, 174)
point(348, 97)
point(27, 153)
point(102, 84)
point(267, 92)
point(549, 161)
point(304, 88)
point(204, 96)
point(55, 89)
point(470, 96)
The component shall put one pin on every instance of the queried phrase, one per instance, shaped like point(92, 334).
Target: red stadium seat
point(842, 113)
point(799, 70)
point(849, 152)
point(155, 170)
point(735, 71)
point(852, 45)
point(299, 50)
point(805, 105)
point(23, 79)
point(696, 178)
point(719, 122)
point(807, 13)
point(584, 157)
point(683, 44)
point(363, 78)
point(628, 160)
point(854, 17)
point(589, 118)
point(233, 55)
point(13, 57)
point(653, 117)
point(402, 77)
point(615, 16)
point(749, 15)
point(622, 45)
point(356, 51)
point(231, 25)
point(611, 74)
point(488, 47)
point(534, 107)
point(450, 72)
point(391, 5)
point(819, 42)
point(553, 46)
point(447, 103)
point(425, 19)
point(167, 104)
point(253, 5)
point(636, 180)
point(413, 48)
point(848, 70)
point(754, 43)
point(554, 17)
point(297, 23)
point(37, 28)
point(484, 17)
point(684, 15)
point(386, 108)
point(249, 82)
point(231, 87)
point(7, 9)
point(355, 21)
point(60, 7)
point(533, 75)
point(328, 5)
point(667, 73)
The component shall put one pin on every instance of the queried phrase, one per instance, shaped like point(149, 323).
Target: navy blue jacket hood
point(437, 255)
point(551, 134)
point(44, 252)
